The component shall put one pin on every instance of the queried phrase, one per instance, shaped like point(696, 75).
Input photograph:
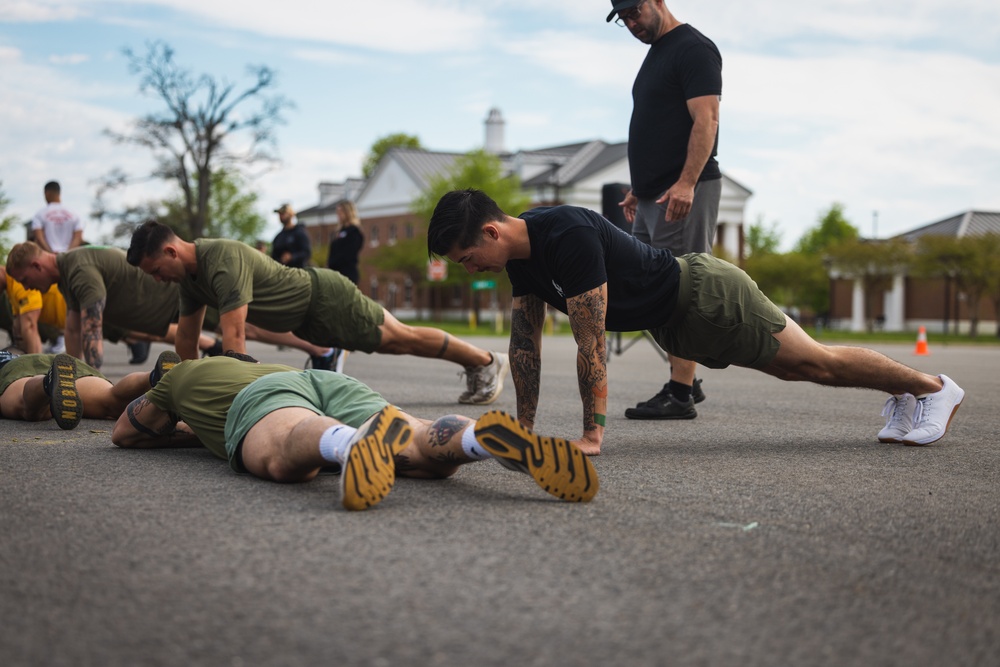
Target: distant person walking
point(346, 245)
point(291, 246)
point(672, 142)
point(55, 227)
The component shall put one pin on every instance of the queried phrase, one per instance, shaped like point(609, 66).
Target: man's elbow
point(123, 435)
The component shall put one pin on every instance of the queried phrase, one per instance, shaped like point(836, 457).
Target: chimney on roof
point(494, 132)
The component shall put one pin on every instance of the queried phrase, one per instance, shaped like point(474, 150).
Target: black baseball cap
point(618, 5)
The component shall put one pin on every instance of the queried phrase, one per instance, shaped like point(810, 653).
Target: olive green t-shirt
point(232, 274)
point(200, 392)
point(133, 299)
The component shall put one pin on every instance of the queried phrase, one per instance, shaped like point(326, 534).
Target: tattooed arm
point(145, 426)
point(527, 315)
point(586, 317)
point(92, 333)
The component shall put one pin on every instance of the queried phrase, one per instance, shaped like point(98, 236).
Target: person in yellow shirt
point(34, 315)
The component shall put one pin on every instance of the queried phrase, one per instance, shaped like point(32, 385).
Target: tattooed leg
point(436, 450)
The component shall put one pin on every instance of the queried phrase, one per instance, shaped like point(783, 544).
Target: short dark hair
point(458, 219)
point(147, 241)
point(52, 186)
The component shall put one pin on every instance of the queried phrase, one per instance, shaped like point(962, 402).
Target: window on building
point(373, 236)
point(373, 289)
point(456, 295)
point(391, 236)
point(408, 293)
point(409, 230)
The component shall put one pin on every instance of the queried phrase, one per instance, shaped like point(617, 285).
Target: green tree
point(7, 222)
point(970, 261)
point(382, 146)
point(831, 229)
point(793, 279)
point(762, 239)
point(875, 263)
point(478, 169)
point(231, 211)
point(207, 125)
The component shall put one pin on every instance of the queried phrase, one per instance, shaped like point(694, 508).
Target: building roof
point(969, 223)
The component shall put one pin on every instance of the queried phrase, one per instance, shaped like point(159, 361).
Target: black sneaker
point(214, 351)
point(696, 393)
point(164, 363)
point(138, 352)
point(666, 408)
point(324, 363)
point(64, 399)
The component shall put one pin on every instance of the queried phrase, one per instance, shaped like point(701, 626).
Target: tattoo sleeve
point(92, 333)
point(586, 316)
point(526, 319)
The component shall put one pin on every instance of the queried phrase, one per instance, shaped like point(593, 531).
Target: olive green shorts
point(336, 395)
point(30, 365)
point(340, 315)
point(722, 318)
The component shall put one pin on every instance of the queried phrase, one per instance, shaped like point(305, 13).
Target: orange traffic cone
point(922, 343)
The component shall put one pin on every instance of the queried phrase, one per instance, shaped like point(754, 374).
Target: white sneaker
point(484, 383)
point(898, 412)
point(58, 347)
point(934, 413)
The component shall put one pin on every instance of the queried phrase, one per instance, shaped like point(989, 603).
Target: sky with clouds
point(890, 107)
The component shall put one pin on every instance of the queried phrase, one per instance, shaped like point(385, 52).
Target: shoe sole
point(557, 465)
point(504, 367)
point(65, 403)
point(164, 363)
point(370, 470)
point(921, 443)
point(633, 413)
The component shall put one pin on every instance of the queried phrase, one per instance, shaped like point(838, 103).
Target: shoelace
point(472, 378)
point(895, 409)
point(918, 414)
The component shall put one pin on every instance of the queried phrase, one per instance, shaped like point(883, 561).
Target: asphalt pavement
point(772, 530)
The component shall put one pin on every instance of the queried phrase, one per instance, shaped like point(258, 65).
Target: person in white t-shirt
point(55, 227)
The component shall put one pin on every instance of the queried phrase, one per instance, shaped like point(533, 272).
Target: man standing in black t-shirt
point(291, 246)
point(697, 306)
point(672, 143)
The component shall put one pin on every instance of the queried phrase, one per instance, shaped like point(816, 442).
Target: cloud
point(392, 26)
point(38, 11)
point(71, 59)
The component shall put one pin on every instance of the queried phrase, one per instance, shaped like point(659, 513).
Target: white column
point(894, 300)
point(858, 306)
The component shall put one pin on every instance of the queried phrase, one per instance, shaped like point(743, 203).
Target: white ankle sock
point(472, 448)
point(333, 443)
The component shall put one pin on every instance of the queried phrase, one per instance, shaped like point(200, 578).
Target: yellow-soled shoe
point(369, 470)
point(556, 465)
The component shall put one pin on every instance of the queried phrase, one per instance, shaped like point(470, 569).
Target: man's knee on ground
point(281, 470)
